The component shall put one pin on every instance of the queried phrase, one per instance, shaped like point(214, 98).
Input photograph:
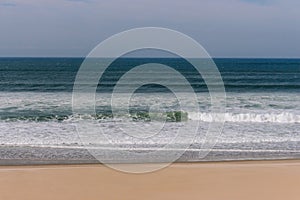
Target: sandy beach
point(209, 181)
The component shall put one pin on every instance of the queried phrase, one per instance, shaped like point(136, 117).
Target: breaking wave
point(284, 117)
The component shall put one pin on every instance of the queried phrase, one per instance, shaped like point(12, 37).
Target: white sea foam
point(283, 117)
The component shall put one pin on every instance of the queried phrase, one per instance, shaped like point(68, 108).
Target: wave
point(283, 117)
point(172, 116)
point(198, 86)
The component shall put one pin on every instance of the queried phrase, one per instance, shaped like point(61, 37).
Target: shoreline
point(27, 155)
point(276, 179)
point(33, 163)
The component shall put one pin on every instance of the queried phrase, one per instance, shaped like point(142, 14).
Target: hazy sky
point(226, 28)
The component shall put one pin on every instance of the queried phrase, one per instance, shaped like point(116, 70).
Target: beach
point(209, 181)
point(47, 148)
point(149, 100)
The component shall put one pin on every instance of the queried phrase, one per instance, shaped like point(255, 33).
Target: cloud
point(6, 4)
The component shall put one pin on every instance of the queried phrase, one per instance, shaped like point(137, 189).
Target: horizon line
point(140, 57)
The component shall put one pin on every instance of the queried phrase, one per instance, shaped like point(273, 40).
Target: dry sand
point(209, 181)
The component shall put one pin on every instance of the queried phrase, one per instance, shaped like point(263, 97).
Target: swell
point(108, 87)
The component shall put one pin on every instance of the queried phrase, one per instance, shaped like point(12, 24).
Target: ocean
point(37, 125)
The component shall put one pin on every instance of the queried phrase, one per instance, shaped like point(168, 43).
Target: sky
point(225, 28)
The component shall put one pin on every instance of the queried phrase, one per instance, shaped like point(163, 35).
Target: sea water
point(37, 125)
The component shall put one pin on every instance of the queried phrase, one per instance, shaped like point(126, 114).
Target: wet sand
point(209, 181)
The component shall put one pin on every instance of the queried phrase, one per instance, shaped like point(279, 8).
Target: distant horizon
point(3, 57)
